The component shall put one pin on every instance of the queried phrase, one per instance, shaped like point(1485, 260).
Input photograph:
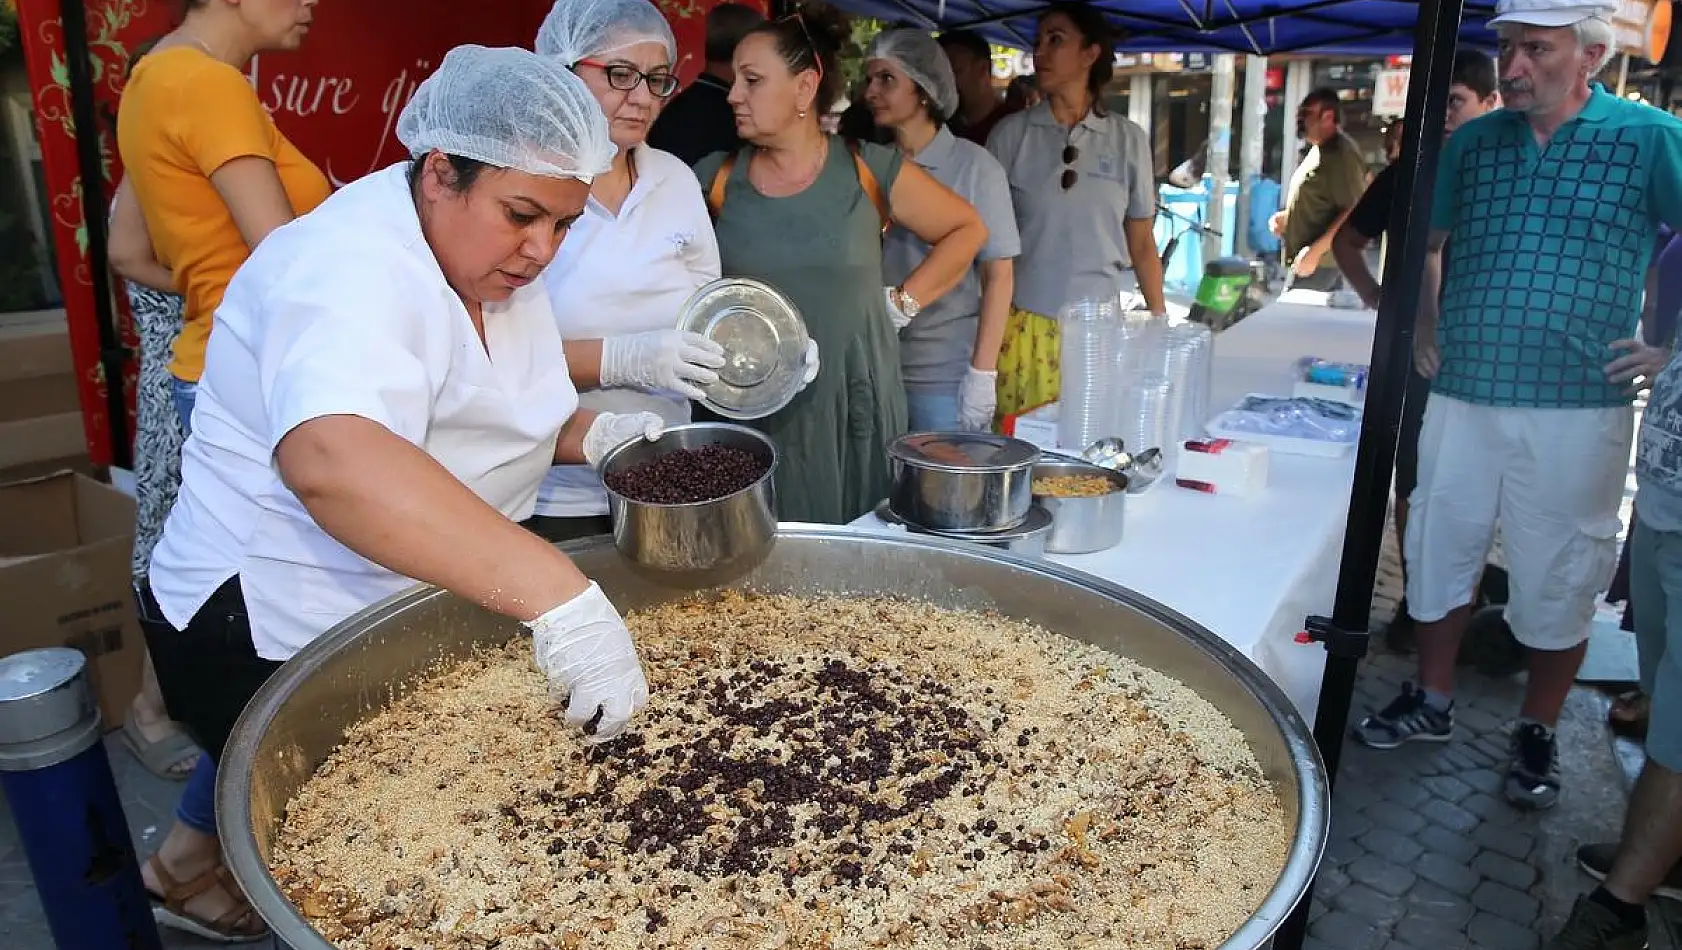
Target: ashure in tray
point(811, 772)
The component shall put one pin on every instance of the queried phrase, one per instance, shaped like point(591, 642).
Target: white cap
point(920, 56)
point(1551, 13)
point(579, 29)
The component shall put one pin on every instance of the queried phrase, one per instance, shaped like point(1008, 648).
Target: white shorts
point(1552, 478)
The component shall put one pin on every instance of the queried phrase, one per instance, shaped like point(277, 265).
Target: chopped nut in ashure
point(809, 773)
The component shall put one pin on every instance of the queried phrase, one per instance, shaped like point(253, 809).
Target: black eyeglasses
point(1071, 155)
point(625, 78)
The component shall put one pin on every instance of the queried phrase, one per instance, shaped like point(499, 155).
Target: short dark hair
point(727, 23)
point(464, 172)
point(969, 41)
point(811, 38)
point(1326, 98)
point(1476, 71)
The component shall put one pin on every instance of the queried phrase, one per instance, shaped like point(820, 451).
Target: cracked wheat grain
point(822, 772)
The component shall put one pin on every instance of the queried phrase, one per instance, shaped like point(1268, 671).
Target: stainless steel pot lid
point(964, 451)
point(764, 340)
point(1038, 522)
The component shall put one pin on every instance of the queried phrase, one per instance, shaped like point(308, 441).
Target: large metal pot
point(707, 542)
point(962, 481)
point(349, 673)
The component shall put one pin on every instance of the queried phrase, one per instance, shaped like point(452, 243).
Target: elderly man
point(700, 120)
point(1548, 207)
point(1322, 192)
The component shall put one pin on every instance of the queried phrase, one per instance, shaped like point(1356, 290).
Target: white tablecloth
point(1250, 569)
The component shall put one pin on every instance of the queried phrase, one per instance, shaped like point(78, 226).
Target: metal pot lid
point(764, 340)
point(964, 451)
point(1038, 522)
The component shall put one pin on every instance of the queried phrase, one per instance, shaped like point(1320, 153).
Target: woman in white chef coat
point(643, 245)
point(384, 392)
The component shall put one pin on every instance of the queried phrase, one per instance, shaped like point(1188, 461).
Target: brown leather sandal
point(239, 925)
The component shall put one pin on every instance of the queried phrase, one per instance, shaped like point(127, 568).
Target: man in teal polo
point(1548, 207)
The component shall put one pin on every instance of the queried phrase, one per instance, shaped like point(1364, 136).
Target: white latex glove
point(901, 321)
point(674, 360)
point(613, 429)
point(811, 364)
point(978, 396)
point(584, 650)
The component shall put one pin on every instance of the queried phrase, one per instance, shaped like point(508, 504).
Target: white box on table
point(1222, 467)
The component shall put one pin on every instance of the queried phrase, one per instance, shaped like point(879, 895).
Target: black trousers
point(210, 670)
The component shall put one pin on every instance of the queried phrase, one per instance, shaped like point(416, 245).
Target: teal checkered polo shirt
point(1548, 250)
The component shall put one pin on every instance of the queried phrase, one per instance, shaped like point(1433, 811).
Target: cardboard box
point(65, 543)
point(40, 410)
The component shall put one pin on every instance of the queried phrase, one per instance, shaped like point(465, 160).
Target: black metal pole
point(113, 355)
point(1345, 634)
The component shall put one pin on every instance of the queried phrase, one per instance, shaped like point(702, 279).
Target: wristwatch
point(906, 303)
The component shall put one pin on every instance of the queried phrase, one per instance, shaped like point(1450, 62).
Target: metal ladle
point(1142, 470)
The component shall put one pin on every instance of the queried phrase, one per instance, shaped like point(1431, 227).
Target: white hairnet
point(580, 29)
point(923, 60)
point(510, 108)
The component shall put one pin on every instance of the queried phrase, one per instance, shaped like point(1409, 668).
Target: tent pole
point(1344, 634)
point(1252, 123)
point(1220, 156)
point(1623, 74)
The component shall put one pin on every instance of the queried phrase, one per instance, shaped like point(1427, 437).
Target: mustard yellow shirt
point(184, 115)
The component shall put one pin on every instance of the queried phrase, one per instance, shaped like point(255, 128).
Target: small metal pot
point(1027, 539)
point(704, 542)
point(962, 481)
point(1085, 524)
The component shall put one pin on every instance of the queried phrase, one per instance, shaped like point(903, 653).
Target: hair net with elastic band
point(512, 109)
point(920, 55)
point(580, 29)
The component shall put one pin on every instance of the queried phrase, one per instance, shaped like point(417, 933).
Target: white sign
point(1390, 92)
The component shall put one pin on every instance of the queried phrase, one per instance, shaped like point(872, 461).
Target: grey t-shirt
point(1658, 453)
point(1074, 240)
point(935, 349)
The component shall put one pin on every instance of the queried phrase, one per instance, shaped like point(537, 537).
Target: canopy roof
point(1360, 27)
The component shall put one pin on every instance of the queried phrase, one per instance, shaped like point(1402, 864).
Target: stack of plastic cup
point(1199, 344)
point(1086, 405)
point(1141, 344)
point(1145, 415)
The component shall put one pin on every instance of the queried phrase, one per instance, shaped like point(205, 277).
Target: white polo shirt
point(345, 312)
point(627, 273)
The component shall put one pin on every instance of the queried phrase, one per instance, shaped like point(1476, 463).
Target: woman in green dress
point(804, 212)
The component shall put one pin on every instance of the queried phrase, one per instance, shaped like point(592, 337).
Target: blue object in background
point(63, 798)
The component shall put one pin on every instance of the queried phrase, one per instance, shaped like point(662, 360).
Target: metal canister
point(58, 782)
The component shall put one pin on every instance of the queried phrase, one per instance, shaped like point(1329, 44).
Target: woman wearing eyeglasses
point(642, 246)
point(1084, 189)
point(804, 211)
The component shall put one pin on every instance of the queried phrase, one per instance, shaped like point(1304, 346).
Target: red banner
point(337, 99)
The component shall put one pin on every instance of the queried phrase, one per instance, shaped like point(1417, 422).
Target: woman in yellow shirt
point(212, 176)
point(212, 173)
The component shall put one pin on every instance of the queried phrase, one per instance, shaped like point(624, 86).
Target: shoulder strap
point(721, 178)
point(867, 181)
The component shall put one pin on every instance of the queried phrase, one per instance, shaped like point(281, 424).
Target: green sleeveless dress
point(823, 248)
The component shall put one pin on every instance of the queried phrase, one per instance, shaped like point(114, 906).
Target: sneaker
point(1533, 777)
point(1408, 718)
point(1596, 862)
point(1593, 927)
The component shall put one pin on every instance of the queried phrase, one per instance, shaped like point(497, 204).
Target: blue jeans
point(932, 412)
point(1655, 578)
point(197, 807)
point(184, 394)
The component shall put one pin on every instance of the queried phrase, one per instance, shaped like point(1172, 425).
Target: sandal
point(171, 757)
point(1629, 715)
point(239, 925)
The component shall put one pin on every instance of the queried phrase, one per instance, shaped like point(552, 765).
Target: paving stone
point(1504, 870)
point(1430, 902)
point(1342, 851)
point(1450, 844)
point(1329, 880)
point(1452, 876)
point(1309, 943)
point(1369, 904)
point(1515, 843)
point(1497, 745)
point(1450, 816)
point(1503, 901)
point(1316, 910)
point(1397, 818)
point(1348, 932)
point(1446, 787)
point(1428, 934)
point(1489, 932)
point(1407, 793)
point(1349, 823)
point(1477, 755)
point(1479, 722)
point(1386, 877)
point(1487, 781)
point(1391, 846)
point(1491, 809)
